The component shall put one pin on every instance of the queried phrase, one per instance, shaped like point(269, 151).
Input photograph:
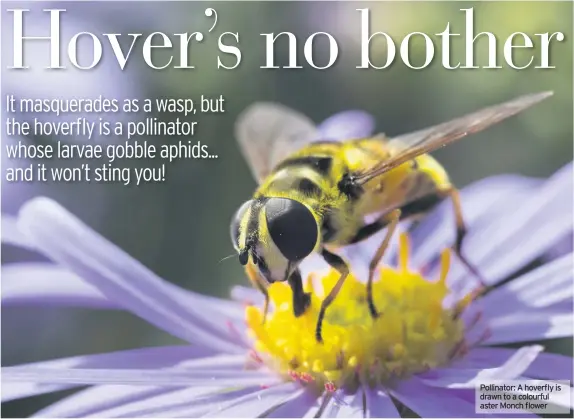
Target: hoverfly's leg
point(301, 299)
point(460, 235)
point(260, 285)
point(339, 264)
point(392, 221)
point(369, 230)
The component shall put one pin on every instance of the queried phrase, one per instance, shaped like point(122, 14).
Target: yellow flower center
point(413, 332)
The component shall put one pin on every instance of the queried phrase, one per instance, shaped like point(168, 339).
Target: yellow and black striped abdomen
point(421, 177)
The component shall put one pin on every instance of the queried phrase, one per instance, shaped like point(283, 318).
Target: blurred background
point(180, 228)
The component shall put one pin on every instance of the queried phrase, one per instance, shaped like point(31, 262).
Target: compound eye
point(236, 223)
point(292, 227)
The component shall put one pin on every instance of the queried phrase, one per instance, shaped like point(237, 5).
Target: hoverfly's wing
point(267, 133)
point(414, 144)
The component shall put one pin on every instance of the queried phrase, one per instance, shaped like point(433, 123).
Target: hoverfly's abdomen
point(432, 169)
point(416, 178)
point(420, 178)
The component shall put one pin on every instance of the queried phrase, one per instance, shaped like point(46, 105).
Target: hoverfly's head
point(276, 233)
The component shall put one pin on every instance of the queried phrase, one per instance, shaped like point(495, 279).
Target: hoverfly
point(314, 193)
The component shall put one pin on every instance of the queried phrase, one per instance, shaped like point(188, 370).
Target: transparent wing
point(411, 145)
point(269, 132)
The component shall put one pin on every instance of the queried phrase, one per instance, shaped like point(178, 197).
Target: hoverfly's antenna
point(227, 257)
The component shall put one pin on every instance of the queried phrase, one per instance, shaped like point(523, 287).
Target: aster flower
point(414, 355)
point(109, 81)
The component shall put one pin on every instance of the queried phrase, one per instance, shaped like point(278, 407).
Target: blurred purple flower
point(106, 80)
point(512, 220)
point(14, 193)
point(565, 246)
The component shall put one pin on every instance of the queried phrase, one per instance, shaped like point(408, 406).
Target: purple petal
point(298, 406)
point(41, 283)
point(316, 408)
point(120, 277)
point(327, 402)
point(12, 235)
point(45, 284)
point(229, 308)
point(517, 237)
point(198, 407)
point(563, 247)
point(14, 391)
point(158, 357)
point(94, 400)
point(247, 295)
point(539, 239)
point(379, 404)
point(335, 402)
point(153, 357)
point(161, 404)
point(527, 326)
point(545, 286)
point(346, 406)
point(422, 399)
point(347, 125)
point(547, 366)
point(257, 403)
point(341, 404)
point(457, 377)
point(481, 201)
point(173, 377)
point(215, 362)
point(314, 263)
point(126, 401)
